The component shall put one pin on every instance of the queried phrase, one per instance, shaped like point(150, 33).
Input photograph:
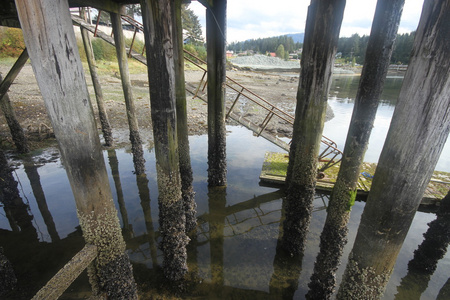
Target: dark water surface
point(234, 253)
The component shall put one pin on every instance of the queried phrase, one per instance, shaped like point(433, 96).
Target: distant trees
point(266, 45)
point(192, 26)
point(354, 47)
point(402, 48)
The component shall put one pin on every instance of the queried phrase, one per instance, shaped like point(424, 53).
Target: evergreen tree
point(280, 51)
point(191, 25)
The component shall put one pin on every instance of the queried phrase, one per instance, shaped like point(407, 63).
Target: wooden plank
point(62, 280)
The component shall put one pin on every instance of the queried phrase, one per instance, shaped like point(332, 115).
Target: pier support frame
point(378, 55)
point(158, 29)
point(419, 129)
point(50, 39)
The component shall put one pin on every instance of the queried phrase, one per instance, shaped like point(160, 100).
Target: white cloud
point(264, 18)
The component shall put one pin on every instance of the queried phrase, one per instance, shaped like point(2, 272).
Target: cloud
point(248, 20)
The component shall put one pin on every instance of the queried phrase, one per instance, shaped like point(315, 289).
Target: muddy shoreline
point(279, 89)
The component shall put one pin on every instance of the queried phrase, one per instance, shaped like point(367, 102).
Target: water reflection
point(234, 252)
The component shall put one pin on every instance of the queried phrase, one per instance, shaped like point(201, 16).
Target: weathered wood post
point(122, 59)
point(103, 116)
point(16, 130)
point(187, 190)
point(158, 30)
point(419, 128)
point(49, 36)
point(427, 255)
point(216, 61)
point(321, 37)
point(378, 55)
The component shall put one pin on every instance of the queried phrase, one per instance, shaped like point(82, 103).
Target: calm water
point(243, 262)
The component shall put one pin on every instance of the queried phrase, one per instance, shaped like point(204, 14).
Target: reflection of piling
point(321, 36)
point(16, 211)
point(187, 190)
point(286, 269)
point(426, 257)
point(334, 234)
point(114, 164)
point(217, 200)
point(122, 59)
point(144, 195)
point(59, 73)
point(38, 192)
point(405, 165)
point(103, 116)
point(158, 29)
point(216, 60)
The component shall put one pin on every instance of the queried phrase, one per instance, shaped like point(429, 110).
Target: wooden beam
point(12, 74)
point(62, 280)
point(105, 5)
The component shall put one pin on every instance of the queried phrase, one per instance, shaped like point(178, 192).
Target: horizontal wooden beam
point(106, 5)
point(62, 280)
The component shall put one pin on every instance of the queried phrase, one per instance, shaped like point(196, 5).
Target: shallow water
point(234, 253)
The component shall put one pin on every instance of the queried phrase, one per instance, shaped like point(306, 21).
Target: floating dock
point(275, 166)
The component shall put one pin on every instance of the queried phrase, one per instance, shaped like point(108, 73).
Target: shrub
point(11, 42)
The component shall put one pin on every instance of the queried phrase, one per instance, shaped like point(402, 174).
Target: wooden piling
point(50, 39)
point(417, 134)
point(216, 61)
point(378, 55)
point(122, 59)
point(103, 116)
point(158, 30)
point(321, 37)
point(187, 190)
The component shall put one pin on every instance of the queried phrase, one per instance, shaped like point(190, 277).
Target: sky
point(250, 19)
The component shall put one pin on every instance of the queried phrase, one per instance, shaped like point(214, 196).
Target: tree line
point(355, 46)
point(349, 48)
point(264, 45)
